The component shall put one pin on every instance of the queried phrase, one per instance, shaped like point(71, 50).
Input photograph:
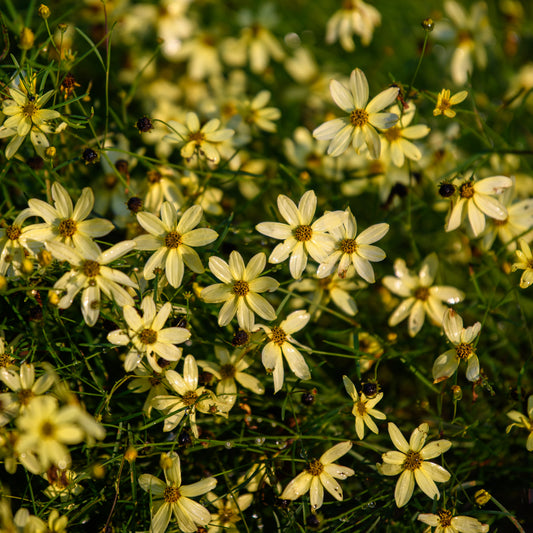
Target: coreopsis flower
point(471, 32)
point(26, 115)
point(228, 371)
point(200, 141)
point(320, 474)
point(172, 499)
point(420, 295)
point(445, 522)
point(255, 113)
point(522, 421)
point(148, 336)
point(445, 103)
point(173, 241)
point(351, 248)
point(228, 513)
point(239, 290)
point(46, 429)
point(14, 246)
point(300, 236)
point(363, 409)
point(355, 17)
point(398, 138)
point(54, 524)
point(281, 344)
point(89, 273)
point(411, 462)
point(24, 388)
point(464, 350)
point(525, 263)
point(162, 185)
point(331, 288)
point(65, 222)
point(475, 198)
point(188, 398)
point(63, 483)
point(364, 119)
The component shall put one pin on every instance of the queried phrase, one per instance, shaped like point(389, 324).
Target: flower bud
point(44, 11)
point(428, 24)
point(482, 497)
point(26, 39)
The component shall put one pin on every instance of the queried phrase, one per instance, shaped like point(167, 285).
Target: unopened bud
point(482, 497)
point(44, 257)
point(457, 393)
point(131, 454)
point(50, 152)
point(27, 266)
point(44, 11)
point(428, 24)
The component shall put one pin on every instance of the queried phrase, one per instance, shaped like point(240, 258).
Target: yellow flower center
point(227, 371)
point(241, 288)
point(171, 494)
point(412, 460)
point(422, 293)
point(13, 232)
point(197, 137)
point(226, 516)
point(153, 176)
point(315, 467)
point(29, 109)
point(24, 396)
point(360, 408)
point(443, 101)
point(173, 239)
point(445, 518)
point(348, 246)
point(466, 190)
point(393, 134)
point(47, 429)
point(190, 397)
point(91, 268)
point(148, 336)
point(277, 335)
point(303, 233)
point(359, 117)
point(464, 350)
point(5, 360)
point(67, 227)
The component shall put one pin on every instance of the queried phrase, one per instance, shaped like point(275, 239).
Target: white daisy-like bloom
point(46, 429)
point(398, 138)
point(351, 248)
point(199, 140)
point(301, 236)
point(445, 522)
point(363, 409)
point(24, 388)
point(173, 241)
point(89, 273)
point(188, 398)
point(65, 222)
point(420, 295)
point(26, 116)
point(281, 344)
point(320, 474)
point(14, 245)
point(229, 372)
point(463, 340)
point(519, 222)
point(355, 17)
point(172, 499)
point(522, 421)
point(525, 263)
point(359, 128)
point(229, 510)
point(148, 336)
point(239, 290)
point(475, 198)
point(411, 462)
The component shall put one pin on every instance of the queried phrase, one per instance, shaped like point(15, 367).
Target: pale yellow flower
point(525, 263)
point(445, 102)
point(229, 510)
point(172, 499)
point(363, 409)
point(360, 127)
point(320, 474)
point(13, 245)
point(240, 289)
point(411, 462)
point(523, 421)
point(445, 522)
